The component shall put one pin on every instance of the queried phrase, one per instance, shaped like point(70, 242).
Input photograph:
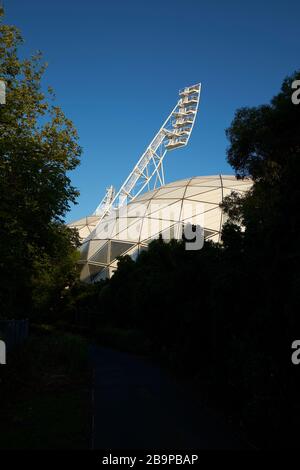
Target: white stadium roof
point(128, 230)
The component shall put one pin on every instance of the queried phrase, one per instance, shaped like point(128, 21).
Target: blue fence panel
point(14, 332)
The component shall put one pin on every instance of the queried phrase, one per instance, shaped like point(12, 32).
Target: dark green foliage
point(38, 146)
point(44, 402)
point(265, 140)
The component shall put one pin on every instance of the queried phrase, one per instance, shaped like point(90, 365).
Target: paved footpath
point(138, 405)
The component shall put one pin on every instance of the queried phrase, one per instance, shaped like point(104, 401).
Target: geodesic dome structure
point(128, 230)
point(85, 226)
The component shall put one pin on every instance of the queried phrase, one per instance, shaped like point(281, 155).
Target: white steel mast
point(148, 172)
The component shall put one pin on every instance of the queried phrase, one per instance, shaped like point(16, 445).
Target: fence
point(13, 332)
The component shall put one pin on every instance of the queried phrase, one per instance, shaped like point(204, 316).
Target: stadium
point(144, 208)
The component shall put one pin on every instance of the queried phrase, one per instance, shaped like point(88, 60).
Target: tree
point(265, 139)
point(38, 147)
point(265, 144)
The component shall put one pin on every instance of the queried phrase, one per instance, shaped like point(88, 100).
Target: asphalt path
point(139, 405)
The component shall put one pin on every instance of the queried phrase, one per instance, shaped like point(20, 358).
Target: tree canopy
point(38, 147)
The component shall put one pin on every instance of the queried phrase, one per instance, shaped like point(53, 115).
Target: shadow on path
point(138, 405)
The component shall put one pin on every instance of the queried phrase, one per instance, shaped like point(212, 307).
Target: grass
point(45, 394)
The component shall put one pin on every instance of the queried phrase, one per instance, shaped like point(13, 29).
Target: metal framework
point(106, 202)
point(148, 172)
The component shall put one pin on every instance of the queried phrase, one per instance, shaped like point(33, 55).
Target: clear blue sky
point(117, 67)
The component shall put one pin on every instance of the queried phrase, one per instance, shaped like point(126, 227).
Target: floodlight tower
point(148, 172)
point(106, 202)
